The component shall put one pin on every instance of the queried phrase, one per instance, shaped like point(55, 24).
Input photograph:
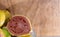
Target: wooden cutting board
point(43, 14)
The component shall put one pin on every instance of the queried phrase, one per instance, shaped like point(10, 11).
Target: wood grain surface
point(43, 14)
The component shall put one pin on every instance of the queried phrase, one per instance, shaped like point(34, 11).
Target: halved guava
point(19, 25)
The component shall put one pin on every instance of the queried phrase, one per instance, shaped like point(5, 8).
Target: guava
point(4, 17)
point(6, 33)
point(18, 25)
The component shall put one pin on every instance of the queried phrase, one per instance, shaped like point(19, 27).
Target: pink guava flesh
point(19, 25)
